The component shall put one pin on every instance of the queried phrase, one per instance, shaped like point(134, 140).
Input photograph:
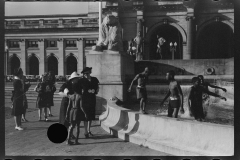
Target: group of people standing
point(175, 95)
point(78, 103)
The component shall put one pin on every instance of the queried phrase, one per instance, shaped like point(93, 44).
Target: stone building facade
point(201, 29)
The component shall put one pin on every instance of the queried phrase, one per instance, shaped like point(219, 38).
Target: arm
point(68, 108)
point(130, 87)
point(214, 94)
point(213, 86)
point(189, 102)
point(168, 94)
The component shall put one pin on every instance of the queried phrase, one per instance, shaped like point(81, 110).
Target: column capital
point(79, 39)
point(40, 40)
point(60, 39)
point(22, 40)
point(188, 18)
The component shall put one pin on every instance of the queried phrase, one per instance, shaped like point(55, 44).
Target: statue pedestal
point(114, 70)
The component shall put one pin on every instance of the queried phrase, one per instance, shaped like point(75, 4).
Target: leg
point(19, 120)
point(175, 112)
point(141, 105)
point(70, 130)
point(85, 127)
point(89, 126)
point(170, 111)
point(45, 113)
point(78, 131)
point(39, 113)
point(16, 121)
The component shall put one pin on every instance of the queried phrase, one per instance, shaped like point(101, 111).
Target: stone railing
point(36, 78)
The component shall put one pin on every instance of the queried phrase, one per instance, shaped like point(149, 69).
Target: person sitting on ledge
point(176, 96)
point(141, 88)
point(110, 35)
point(195, 99)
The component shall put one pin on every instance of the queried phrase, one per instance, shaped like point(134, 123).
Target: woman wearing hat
point(18, 98)
point(90, 89)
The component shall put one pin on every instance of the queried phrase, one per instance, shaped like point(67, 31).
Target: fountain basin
point(179, 137)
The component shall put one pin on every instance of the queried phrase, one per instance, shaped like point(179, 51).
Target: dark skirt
point(174, 104)
point(63, 110)
point(89, 105)
point(76, 116)
point(18, 108)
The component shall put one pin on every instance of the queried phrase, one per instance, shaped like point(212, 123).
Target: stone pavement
point(33, 141)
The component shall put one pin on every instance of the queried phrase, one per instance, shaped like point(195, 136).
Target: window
point(32, 44)
point(52, 43)
point(71, 43)
point(13, 44)
point(89, 43)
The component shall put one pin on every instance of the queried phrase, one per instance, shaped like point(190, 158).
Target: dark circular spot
point(57, 133)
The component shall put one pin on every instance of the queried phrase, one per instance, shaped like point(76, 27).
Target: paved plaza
point(33, 141)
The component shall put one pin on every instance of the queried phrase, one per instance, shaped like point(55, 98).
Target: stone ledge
point(174, 136)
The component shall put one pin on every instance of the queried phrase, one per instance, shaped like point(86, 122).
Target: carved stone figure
point(161, 41)
point(110, 35)
point(139, 41)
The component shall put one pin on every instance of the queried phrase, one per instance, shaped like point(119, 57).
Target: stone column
point(190, 37)
point(23, 56)
point(61, 63)
point(81, 55)
point(6, 58)
point(42, 55)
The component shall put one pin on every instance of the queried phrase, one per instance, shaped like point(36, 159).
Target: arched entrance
point(71, 64)
point(53, 64)
point(170, 34)
point(14, 63)
point(33, 65)
point(215, 41)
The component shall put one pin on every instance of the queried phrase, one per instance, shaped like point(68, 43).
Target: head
point(170, 75)
point(146, 71)
point(201, 78)
point(195, 81)
point(87, 71)
point(18, 72)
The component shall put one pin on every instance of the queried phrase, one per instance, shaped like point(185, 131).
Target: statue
point(110, 35)
point(131, 48)
point(139, 41)
point(161, 41)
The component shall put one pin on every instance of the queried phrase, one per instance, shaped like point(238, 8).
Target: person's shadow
point(135, 128)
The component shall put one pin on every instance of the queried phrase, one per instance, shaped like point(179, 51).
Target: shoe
point(69, 143)
point(90, 133)
point(73, 137)
point(76, 143)
point(46, 120)
point(24, 120)
point(19, 128)
point(86, 135)
point(50, 115)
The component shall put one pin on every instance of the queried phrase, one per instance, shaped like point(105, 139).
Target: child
point(75, 111)
point(195, 99)
point(176, 96)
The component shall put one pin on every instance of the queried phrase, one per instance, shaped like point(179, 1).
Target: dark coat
point(17, 98)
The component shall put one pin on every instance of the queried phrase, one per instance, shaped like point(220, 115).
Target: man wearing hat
point(90, 89)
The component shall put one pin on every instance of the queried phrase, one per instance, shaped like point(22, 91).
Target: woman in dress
point(90, 89)
point(52, 80)
point(44, 96)
point(18, 98)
